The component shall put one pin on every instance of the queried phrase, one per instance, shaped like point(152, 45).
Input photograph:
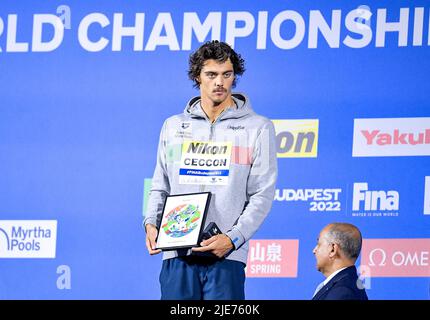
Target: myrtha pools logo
point(28, 238)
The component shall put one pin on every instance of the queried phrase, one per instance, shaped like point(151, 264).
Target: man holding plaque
point(220, 146)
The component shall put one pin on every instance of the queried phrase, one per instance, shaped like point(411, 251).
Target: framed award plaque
point(182, 221)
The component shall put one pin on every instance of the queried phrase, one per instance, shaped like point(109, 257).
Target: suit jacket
point(343, 286)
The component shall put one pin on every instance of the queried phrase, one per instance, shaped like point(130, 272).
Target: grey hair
point(347, 237)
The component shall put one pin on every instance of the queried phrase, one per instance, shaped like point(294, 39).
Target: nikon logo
point(206, 148)
point(296, 138)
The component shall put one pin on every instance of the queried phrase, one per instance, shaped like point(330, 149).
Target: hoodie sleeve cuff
point(236, 238)
point(149, 220)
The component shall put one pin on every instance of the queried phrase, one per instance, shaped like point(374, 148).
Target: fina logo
point(28, 238)
point(375, 203)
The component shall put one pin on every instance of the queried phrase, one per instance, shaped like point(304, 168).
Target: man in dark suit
point(338, 247)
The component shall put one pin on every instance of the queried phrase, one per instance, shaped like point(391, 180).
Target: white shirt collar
point(332, 275)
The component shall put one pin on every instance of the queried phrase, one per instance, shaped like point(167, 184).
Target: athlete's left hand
point(219, 244)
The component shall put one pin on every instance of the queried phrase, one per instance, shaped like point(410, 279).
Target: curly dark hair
point(219, 51)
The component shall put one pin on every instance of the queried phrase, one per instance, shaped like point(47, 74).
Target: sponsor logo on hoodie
point(185, 130)
point(234, 128)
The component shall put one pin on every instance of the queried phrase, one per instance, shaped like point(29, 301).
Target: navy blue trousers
point(193, 278)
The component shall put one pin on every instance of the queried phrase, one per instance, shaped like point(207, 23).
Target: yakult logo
point(28, 238)
point(376, 203)
point(391, 137)
point(396, 257)
point(273, 258)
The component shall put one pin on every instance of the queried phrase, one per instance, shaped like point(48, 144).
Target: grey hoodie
point(240, 207)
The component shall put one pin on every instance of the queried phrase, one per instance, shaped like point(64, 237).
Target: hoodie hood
point(194, 108)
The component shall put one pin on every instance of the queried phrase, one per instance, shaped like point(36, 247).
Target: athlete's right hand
point(151, 235)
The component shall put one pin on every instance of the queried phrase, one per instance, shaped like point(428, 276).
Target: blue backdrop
point(81, 109)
